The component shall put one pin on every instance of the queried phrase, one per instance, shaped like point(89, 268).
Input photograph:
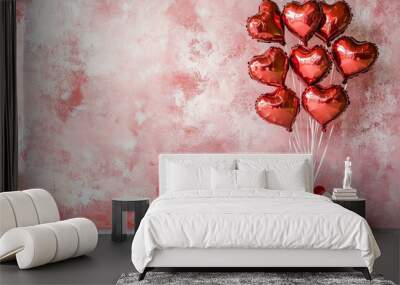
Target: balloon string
point(296, 128)
point(311, 135)
point(303, 140)
point(311, 126)
point(308, 135)
point(323, 154)
point(293, 142)
point(294, 84)
point(318, 147)
point(315, 152)
point(305, 125)
point(296, 133)
point(332, 75)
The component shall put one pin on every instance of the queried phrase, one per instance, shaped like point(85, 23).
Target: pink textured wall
point(105, 86)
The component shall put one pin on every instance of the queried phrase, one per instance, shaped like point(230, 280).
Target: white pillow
point(223, 179)
point(251, 178)
point(218, 163)
point(290, 175)
point(291, 179)
point(188, 177)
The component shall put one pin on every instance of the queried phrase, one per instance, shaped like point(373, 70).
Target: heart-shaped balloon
point(267, 25)
point(302, 20)
point(353, 57)
point(325, 104)
point(311, 64)
point(335, 21)
point(270, 67)
point(279, 107)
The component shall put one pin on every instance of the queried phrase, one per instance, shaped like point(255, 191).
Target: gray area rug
point(233, 278)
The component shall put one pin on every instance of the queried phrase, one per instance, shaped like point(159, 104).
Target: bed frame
point(242, 259)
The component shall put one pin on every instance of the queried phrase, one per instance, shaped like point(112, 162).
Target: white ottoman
point(34, 244)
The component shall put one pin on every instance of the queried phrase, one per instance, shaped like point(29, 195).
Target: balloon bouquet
point(311, 65)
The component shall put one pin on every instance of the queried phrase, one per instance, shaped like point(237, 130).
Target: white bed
point(249, 227)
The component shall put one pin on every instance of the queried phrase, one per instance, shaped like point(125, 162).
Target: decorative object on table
point(249, 278)
point(326, 101)
point(347, 174)
point(344, 194)
point(32, 233)
point(357, 206)
point(347, 192)
point(319, 190)
point(120, 207)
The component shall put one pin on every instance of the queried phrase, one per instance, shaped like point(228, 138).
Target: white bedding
point(253, 218)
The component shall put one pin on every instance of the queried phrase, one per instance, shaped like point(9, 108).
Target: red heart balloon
point(267, 25)
point(335, 21)
point(325, 104)
point(270, 67)
point(310, 64)
point(279, 107)
point(353, 57)
point(302, 20)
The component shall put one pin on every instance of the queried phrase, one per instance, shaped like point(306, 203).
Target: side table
point(119, 208)
point(356, 205)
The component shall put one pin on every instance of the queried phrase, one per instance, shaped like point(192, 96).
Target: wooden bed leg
point(143, 274)
point(364, 271)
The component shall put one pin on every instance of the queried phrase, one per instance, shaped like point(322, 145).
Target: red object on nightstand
point(319, 190)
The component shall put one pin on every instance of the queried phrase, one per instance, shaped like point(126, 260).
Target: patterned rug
point(244, 278)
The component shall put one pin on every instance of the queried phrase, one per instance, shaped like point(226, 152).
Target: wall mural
point(104, 86)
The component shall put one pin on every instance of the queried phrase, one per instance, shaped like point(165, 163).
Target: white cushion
point(281, 174)
point(40, 244)
point(251, 178)
point(188, 177)
point(218, 163)
point(67, 239)
point(7, 220)
point(32, 246)
point(292, 179)
point(87, 233)
point(223, 179)
point(23, 208)
point(46, 207)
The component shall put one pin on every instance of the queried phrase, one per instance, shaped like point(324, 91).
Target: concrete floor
point(103, 266)
point(110, 260)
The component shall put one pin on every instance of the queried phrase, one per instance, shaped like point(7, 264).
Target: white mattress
point(253, 219)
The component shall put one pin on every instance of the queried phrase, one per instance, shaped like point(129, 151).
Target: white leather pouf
point(31, 232)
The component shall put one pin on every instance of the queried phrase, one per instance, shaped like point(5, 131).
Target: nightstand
point(119, 208)
point(356, 205)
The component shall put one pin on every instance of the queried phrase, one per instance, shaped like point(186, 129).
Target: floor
point(110, 260)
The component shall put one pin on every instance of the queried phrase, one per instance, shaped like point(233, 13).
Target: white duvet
point(250, 219)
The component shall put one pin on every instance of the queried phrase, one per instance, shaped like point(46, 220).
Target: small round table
point(119, 208)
